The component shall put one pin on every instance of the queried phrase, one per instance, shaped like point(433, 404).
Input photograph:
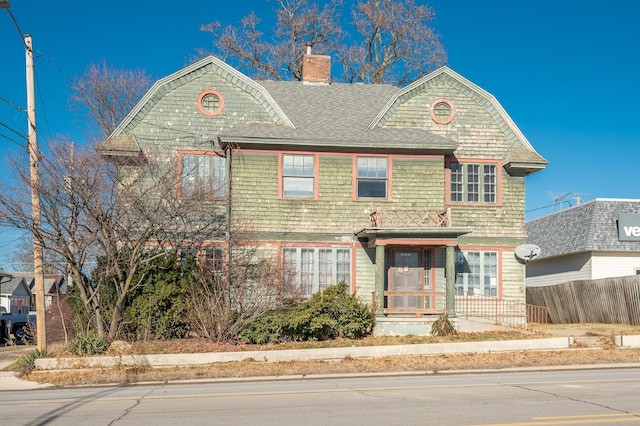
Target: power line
point(14, 131)
point(53, 65)
point(13, 141)
point(16, 106)
point(42, 108)
point(15, 23)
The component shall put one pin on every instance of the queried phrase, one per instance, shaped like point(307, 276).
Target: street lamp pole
point(41, 335)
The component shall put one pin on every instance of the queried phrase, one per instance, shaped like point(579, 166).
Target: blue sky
point(566, 71)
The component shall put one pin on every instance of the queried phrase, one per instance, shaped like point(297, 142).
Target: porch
point(471, 314)
point(414, 261)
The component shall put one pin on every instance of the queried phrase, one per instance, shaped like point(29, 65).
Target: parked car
point(14, 327)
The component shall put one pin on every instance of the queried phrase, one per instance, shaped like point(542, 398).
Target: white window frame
point(210, 254)
point(475, 183)
point(476, 273)
point(369, 170)
point(310, 271)
point(202, 175)
point(214, 256)
point(298, 170)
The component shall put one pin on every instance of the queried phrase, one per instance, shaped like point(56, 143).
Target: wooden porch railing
point(427, 300)
point(410, 218)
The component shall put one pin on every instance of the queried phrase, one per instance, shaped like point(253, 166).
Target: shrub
point(443, 327)
point(156, 308)
point(88, 344)
point(25, 364)
point(328, 315)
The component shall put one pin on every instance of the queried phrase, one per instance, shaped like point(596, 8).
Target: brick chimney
point(316, 68)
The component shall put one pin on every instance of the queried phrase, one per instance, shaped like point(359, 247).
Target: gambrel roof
point(587, 227)
point(522, 157)
point(338, 116)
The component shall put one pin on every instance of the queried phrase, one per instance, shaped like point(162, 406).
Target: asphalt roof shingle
point(587, 227)
point(337, 113)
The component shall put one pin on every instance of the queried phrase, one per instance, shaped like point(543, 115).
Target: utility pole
point(41, 334)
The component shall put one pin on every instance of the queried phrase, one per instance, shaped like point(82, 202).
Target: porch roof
point(445, 235)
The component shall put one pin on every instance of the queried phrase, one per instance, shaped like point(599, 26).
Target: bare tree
point(397, 43)
point(91, 212)
point(299, 23)
point(223, 303)
point(21, 257)
point(105, 94)
point(392, 41)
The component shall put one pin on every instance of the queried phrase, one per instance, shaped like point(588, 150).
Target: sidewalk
point(564, 340)
point(9, 381)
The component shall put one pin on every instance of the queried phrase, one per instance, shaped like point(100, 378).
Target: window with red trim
point(473, 183)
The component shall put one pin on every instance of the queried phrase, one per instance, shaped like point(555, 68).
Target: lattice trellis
point(410, 218)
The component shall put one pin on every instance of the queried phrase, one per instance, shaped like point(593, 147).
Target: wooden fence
point(606, 301)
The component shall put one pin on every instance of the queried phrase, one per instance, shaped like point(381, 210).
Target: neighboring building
point(598, 239)
point(54, 286)
point(15, 296)
point(385, 188)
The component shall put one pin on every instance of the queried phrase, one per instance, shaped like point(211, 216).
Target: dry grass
point(592, 329)
point(574, 356)
point(202, 345)
point(433, 363)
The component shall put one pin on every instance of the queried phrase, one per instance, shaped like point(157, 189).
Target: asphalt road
point(607, 396)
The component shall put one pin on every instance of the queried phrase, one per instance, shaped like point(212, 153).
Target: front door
point(407, 276)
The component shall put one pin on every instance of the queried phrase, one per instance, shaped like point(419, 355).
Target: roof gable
point(190, 73)
point(522, 158)
point(16, 286)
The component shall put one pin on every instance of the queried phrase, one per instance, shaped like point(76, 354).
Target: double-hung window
point(202, 176)
point(209, 257)
point(298, 176)
point(477, 273)
point(310, 269)
point(473, 183)
point(213, 258)
point(372, 177)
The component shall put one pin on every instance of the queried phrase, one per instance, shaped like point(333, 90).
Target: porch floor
point(403, 326)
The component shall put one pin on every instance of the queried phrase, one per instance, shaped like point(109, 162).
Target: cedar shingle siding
point(337, 123)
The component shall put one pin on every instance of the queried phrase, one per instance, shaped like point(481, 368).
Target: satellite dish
point(526, 252)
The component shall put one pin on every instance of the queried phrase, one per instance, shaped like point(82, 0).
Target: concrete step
point(590, 341)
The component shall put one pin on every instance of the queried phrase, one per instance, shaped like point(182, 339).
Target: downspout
point(228, 188)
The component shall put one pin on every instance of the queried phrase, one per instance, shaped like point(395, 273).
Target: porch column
point(450, 271)
point(379, 293)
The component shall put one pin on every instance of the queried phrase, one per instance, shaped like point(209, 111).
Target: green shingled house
point(414, 196)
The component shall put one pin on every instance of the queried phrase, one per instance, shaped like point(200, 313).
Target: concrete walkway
point(9, 380)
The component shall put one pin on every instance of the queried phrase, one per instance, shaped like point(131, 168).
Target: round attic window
point(210, 102)
point(442, 111)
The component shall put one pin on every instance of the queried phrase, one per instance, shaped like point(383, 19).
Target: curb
point(321, 354)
